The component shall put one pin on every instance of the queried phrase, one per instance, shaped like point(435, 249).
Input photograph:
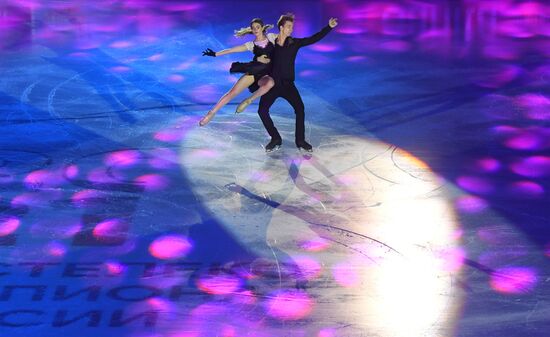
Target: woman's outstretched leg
point(265, 83)
point(244, 82)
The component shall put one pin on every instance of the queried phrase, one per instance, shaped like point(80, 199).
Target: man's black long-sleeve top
point(284, 57)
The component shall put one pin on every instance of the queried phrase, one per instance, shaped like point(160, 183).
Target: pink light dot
point(120, 69)
point(513, 280)
point(327, 332)
point(475, 184)
point(121, 44)
point(524, 140)
point(113, 228)
point(176, 78)
point(170, 247)
point(114, 268)
point(452, 258)
point(152, 182)
point(309, 267)
point(71, 171)
point(219, 284)
point(155, 57)
point(346, 275)
point(471, 204)
point(56, 249)
point(85, 196)
point(315, 245)
point(122, 158)
point(169, 135)
point(289, 305)
point(535, 166)
point(43, 178)
point(526, 189)
point(8, 225)
point(488, 164)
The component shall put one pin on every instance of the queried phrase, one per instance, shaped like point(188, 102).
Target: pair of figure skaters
point(269, 75)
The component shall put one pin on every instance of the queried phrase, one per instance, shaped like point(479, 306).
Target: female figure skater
point(255, 73)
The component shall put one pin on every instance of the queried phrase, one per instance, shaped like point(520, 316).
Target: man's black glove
point(209, 52)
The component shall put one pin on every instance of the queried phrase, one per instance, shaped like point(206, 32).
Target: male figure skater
point(283, 60)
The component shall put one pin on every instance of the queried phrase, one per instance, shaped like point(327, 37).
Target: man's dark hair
point(284, 18)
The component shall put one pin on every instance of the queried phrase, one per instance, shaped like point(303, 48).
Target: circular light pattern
point(513, 280)
point(289, 305)
point(170, 247)
point(8, 225)
point(220, 284)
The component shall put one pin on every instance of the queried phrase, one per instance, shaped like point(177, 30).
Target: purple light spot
point(110, 229)
point(183, 7)
point(453, 258)
point(396, 46)
point(114, 268)
point(120, 69)
point(350, 30)
point(475, 184)
point(121, 44)
point(8, 225)
point(124, 158)
point(327, 332)
point(497, 235)
point(471, 204)
point(43, 179)
point(176, 78)
point(537, 106)
point(152, 182)
point(505, 130)
point(289, 305)
point(310, 73)
point(536, 166)
point(219, 284)
point(488, 164)
point(160, 304)
point(206, 93)
point(85, 197)
point(155, 57)
point(514, 29)
point(497, 77)
point(325, 47)
point(309, 267)
point(36, 199)
point(356, 58)
point(524, 140)
point(185, 65)
point(71, 171)
point(496, 51)
point(314, 245)
point(346, 275)
point(526, 189)
point(170, 247)
point(56, 249)
point(169, 135)
point(547, 250)
point(513, 280)
point(205, 153)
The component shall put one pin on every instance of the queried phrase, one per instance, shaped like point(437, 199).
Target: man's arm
point(306, 41)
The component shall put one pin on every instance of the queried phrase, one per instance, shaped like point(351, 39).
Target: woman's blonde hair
point(248, 30)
